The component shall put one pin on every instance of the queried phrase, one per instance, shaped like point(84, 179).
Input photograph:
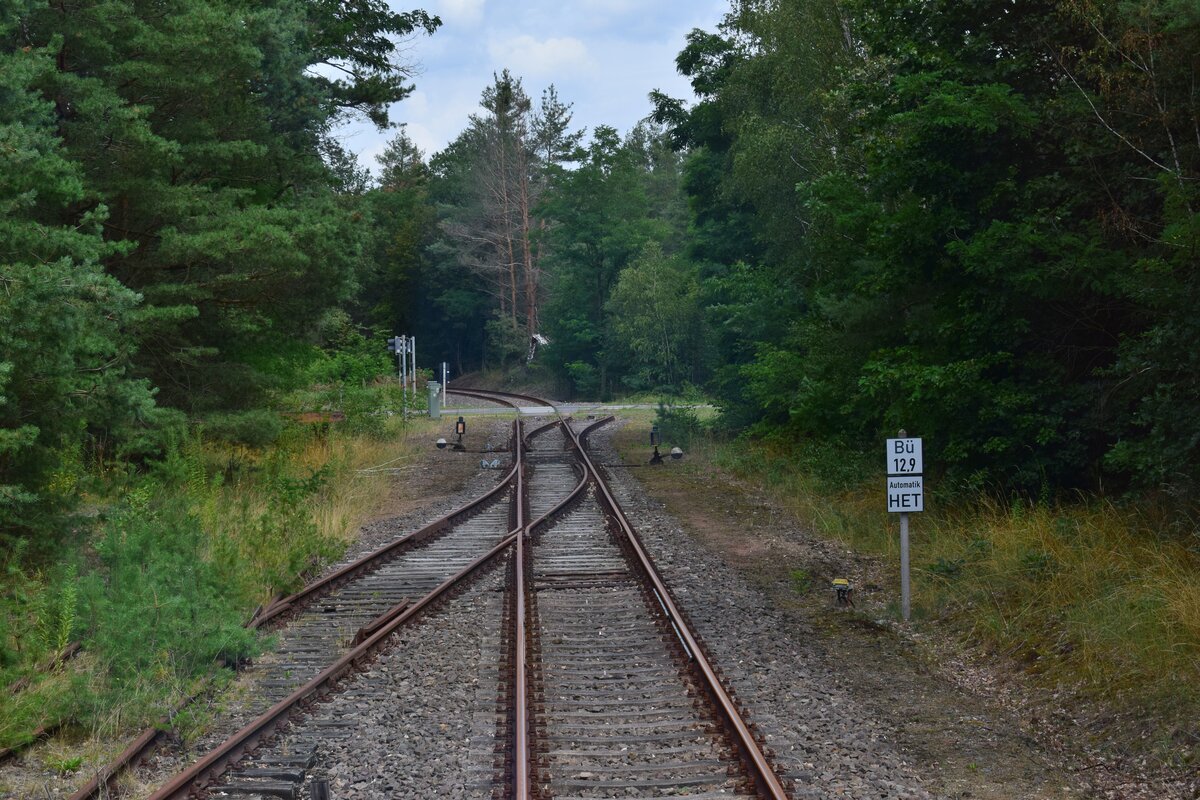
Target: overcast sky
point(604, 56)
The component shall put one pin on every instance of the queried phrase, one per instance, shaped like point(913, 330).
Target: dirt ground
point(975, 726)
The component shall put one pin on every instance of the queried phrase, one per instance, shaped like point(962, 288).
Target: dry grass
point(1087, 594)
point(270, 527)
point(285, 512)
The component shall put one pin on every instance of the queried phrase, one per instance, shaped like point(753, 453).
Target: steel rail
point(356, 568)
point(522, 777)
point(767, 782)
point(147, 740)
point(215, 762)
point(520, 689)
point(500, 397)
point(210, 767)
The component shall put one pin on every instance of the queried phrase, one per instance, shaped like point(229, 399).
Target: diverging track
point(534, 653)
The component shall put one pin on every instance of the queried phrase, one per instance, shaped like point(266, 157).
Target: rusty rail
point(211, 766)
point(101, 783)
point(217, 761)
point(519, 684)
point(499, 397)
point(766, 781)
point(356, 568)
point(522, 773)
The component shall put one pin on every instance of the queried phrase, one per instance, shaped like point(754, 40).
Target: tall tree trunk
point(531, 281)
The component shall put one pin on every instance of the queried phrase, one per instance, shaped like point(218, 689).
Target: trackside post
point(905, 494)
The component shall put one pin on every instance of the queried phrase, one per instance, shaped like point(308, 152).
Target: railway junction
point(538, 640)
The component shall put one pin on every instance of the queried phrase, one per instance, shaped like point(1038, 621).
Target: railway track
point(585, 679)
point(325, 620)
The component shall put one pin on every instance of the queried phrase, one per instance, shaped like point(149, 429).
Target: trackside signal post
point(905, 494)
point(405, 349)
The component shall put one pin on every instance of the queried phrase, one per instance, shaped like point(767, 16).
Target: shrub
point(252, 428)
point(158, 605)
point(678, 426)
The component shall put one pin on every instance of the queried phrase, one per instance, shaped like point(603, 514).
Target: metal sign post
point(444, 365)
point(403, 352)
point(905, 584)
point(412, 350)
point(905, 493)
point(405, 348)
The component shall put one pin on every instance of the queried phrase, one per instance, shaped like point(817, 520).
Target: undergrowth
point(174, 558)
point(1089, 594)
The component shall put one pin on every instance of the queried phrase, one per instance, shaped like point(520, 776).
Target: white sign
point(904, 457)
point(906, 493)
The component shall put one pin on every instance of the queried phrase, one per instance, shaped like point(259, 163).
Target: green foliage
point(160, 604)
point(65, 765)
point(899, 229)
point(801, 580)
point(58, 612)
point(348, 358)
point(251, 428)
point(399, 280)
point(1089, 595)
point(584, 378)
point(677, 425)
point(655, 314)
point(507, 341)
point(63, 353)
point(232, 226)
point(624, 195)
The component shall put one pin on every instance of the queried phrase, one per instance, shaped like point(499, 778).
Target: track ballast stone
point(406, 727)
point(823, 740)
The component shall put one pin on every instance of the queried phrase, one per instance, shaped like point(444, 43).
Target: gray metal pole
point(443, 383)
point(905, 588)
point(413, 339)
point(403, 350)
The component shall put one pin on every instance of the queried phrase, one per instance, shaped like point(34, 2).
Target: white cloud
point(461, 12)
point(530, 57)
point(424, 138)
point(603, 55)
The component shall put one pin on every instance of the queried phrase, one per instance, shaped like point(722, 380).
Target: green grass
point(175, 558)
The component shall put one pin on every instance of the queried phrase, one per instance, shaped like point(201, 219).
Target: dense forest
point(979, 221)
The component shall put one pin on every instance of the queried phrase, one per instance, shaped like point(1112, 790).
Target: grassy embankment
point(1090, 594)
point(157, 579)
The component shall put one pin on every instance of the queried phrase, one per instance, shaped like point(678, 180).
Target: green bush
point(677, 426)
point(157, 604)
point(257, 428)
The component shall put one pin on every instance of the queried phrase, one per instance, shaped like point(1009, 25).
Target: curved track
point(602, 688)
point(330, 616)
